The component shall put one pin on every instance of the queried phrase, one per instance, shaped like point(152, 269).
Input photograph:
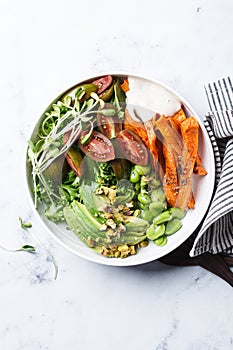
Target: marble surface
point(47, 46)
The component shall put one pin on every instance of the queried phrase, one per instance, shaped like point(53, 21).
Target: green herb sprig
point(25, 248)
point(25, 226)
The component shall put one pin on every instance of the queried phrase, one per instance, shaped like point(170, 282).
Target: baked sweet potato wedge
point(170, 135)
point(152, 146)
point(198, 167)
point(137, 127)
point(170, 180)
point(189, 133)
point(176, 119)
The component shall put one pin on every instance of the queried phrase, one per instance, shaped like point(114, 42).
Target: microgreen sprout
point(25, 225)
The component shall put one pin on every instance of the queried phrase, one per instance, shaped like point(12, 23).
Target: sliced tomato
point(103, 83)
point(132, 147)
point(74, 159)
point(110, 126)
point(98, 147)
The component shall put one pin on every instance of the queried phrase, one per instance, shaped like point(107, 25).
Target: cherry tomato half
point(103, 83)
point(110, 126)
point(132, 147)
point(98, 148)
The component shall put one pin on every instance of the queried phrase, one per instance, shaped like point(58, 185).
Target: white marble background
point(46, 46)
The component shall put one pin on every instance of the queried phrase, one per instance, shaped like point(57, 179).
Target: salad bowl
point(145, 99)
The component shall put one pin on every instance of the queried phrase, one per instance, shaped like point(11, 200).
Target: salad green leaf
point(124, 192)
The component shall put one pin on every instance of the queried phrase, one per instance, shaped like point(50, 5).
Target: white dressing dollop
point(148, 98)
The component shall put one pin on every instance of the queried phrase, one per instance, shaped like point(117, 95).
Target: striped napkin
point(215, 234)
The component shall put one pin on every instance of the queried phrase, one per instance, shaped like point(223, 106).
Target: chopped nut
point(108, 215)
point(122, 228)
point(123, 248)
point(105, 251)
point(110, 232)
point(119, 217)
point(99, 190)
point(129, 205)
point(111, 223)
point(103, 227)
point(111, 195)
point(132, 250)
point(90, 242)
point(144, 243)
point(106, 190)
point(124, 255)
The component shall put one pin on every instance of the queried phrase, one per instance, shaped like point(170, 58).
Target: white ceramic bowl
point(202, 189)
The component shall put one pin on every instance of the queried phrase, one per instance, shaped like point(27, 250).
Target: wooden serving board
point(218, 264)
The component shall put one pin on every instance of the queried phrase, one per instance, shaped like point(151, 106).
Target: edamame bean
point(154, 231)
point(156, 208)
point(142, 206)
point(161, 241)
point(177, 213)
point(147, 215)
point(173, 226)
point(142, 170)
point(158, 195)
point(143, 198)
point(137, 212)
point(163, 217)
point(155, 183)
point(134, 176)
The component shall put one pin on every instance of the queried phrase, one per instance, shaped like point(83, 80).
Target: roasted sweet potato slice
point(198, 167)
point(137, 127)
point(189, 133)
point(152, 146)
point(169, 149)
point(191, 202)
point(180, 116)
point(176, 119)
point(170, 181)
point(170, 135)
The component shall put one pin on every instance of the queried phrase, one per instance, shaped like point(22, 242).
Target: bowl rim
point(111, 261)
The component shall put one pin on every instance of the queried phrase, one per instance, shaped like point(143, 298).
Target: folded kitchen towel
point(216, 231)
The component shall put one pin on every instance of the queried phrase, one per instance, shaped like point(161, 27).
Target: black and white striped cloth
point(216, 231)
